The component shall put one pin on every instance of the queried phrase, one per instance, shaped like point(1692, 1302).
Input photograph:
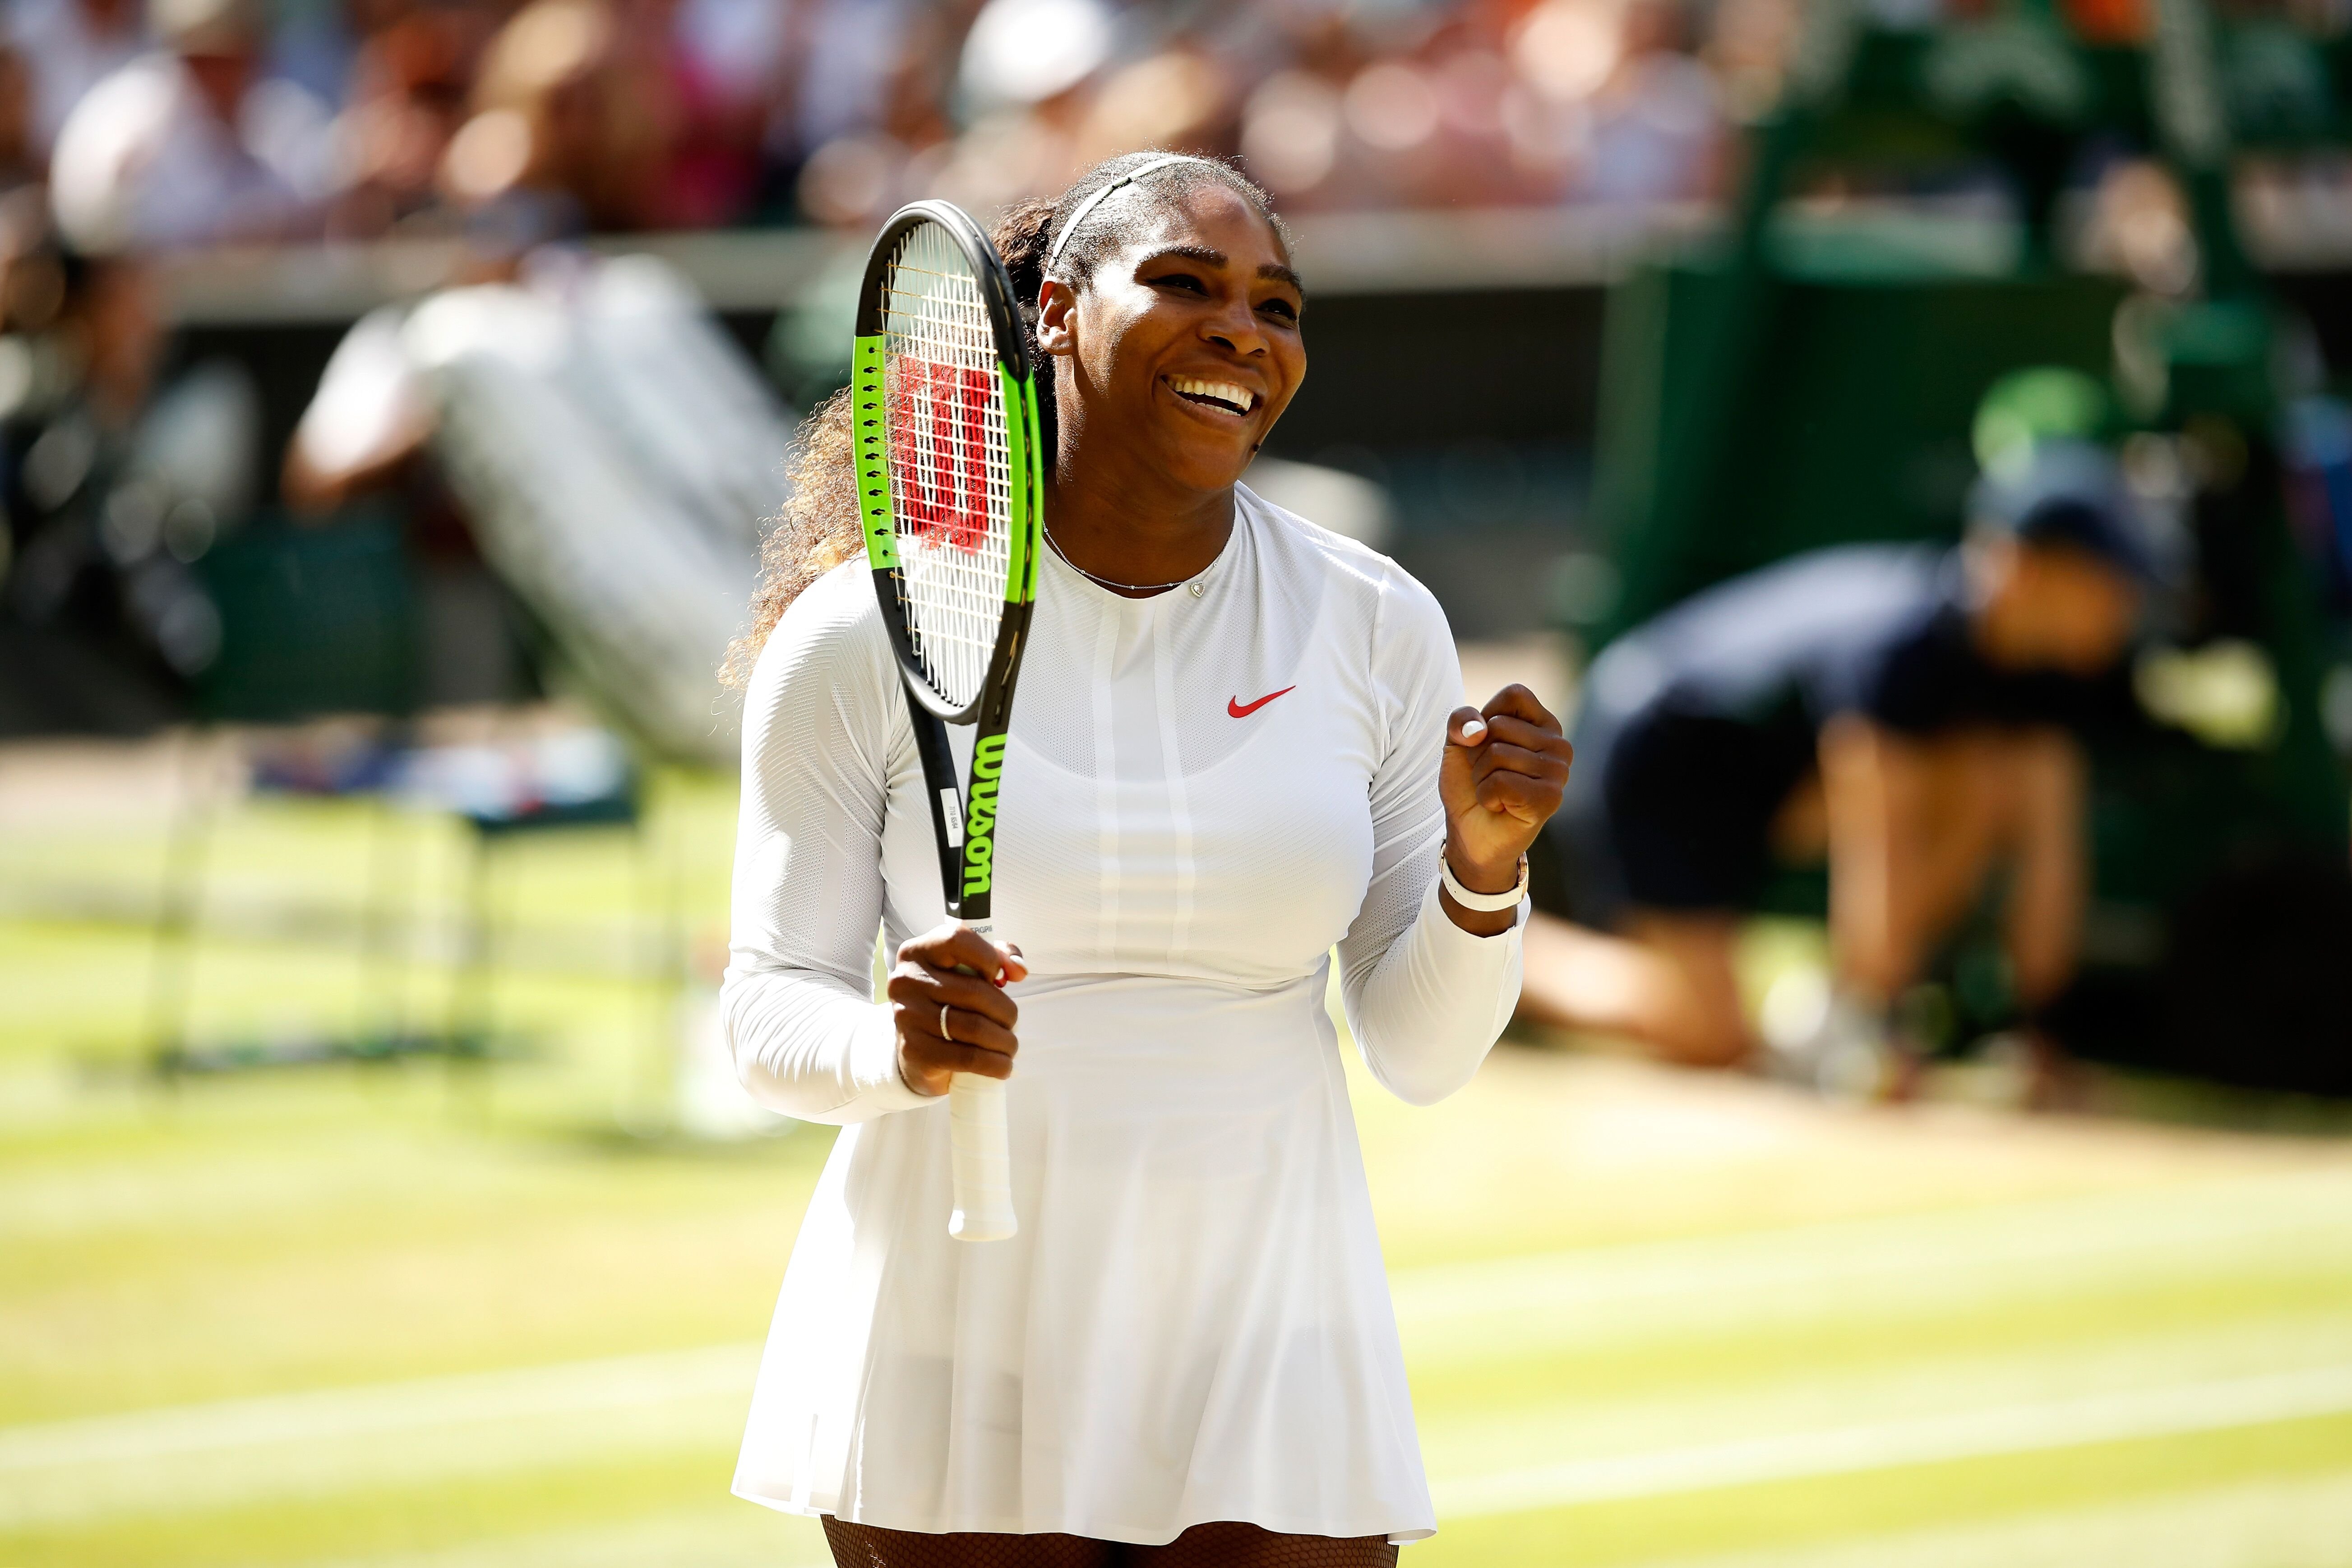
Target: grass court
point(417, 1315)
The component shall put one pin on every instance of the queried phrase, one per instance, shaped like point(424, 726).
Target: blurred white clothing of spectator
point(1176, 99)
point(849, 50)
point(1006, 157)
point(1290, 132)
point(146, 163)
point(1027, 51)
point(71, 46)
point(182, 147)
point(1656, 125)
point(1658, 141)
point(312, 46)
point(738, 45)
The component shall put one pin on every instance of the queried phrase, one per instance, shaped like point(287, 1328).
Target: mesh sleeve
point(1425, 999)
point(808, 1039)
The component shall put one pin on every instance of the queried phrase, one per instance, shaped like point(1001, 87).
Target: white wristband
point(1484, 903)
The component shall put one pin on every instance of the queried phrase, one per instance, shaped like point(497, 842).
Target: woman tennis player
point(1236, 747)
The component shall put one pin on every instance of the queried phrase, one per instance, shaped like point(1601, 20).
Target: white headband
point(1053, 252)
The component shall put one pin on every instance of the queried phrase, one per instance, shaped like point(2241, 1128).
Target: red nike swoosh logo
point(1235, 705)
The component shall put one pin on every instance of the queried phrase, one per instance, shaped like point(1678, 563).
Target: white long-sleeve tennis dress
point(1203, 794)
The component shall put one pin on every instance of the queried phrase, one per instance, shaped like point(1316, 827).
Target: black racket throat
point(959, 816)
point(994, 702)
point(961, 811)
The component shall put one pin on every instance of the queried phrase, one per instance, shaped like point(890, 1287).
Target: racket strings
point(950, 472)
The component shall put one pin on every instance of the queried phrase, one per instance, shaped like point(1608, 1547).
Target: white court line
point(1921, 1441)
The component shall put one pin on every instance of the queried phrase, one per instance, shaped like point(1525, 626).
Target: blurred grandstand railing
point(1340, 252)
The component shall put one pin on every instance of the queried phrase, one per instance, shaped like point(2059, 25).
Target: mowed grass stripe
point(413, 1432)
point(1724, 1277)
point(731, 1534)
point(395, 1516)
point(2278, 1524)
point(1774, 1397)
point(1943, 1438)
point(1863, 1505)
point(1966, 1261)
point(416, 1432)
point(430, 1432)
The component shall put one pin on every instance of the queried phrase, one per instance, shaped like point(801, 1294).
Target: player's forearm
point(810, 1047)
point(1427, 1013)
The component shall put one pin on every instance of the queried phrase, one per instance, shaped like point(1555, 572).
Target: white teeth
point(1238, 399)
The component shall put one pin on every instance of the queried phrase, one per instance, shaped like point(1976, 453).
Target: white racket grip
point(980, 1154)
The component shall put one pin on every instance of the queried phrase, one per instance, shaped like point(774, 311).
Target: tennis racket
point(950, 480)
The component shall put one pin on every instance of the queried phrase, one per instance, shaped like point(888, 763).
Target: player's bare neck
point(1134, 528)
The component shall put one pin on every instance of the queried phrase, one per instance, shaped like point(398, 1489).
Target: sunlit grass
point(1592, 1258)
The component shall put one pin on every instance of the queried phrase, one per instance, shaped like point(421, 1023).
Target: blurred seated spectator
point(1749, 49)
point(1901, 709)
point(229, 120)
point(1291, 128)
point(862, 122)
point(114, 490)
point(365, 429)
point(182, 147)
point(1429, 129)
point(726, 62)
point(361, 445)
point(588, 99)
point(406, 98)
point(22, 161)
point(70, 46)
point(1657, 128)
point(1027, 71)
point(1181, 99)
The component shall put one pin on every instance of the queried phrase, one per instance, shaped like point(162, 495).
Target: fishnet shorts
point(1224, 1545)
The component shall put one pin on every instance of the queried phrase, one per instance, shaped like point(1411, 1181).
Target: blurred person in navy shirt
point(1903, 710)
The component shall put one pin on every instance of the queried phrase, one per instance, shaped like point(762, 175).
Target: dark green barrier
point(314, 620)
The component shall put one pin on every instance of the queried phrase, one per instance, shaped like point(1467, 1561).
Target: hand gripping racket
point(950, 480)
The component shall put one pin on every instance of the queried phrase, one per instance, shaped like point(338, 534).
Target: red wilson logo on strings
point(939, 419)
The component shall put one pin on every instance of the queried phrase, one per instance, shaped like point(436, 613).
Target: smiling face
point(1183, 348)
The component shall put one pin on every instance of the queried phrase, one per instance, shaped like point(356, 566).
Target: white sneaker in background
point(1826, 1041)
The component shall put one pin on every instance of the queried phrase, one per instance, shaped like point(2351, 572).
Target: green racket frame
point(964, 820)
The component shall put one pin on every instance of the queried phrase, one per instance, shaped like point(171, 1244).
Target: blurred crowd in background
point(132, 129)
point(183, 122)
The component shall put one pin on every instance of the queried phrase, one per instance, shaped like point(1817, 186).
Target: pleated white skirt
point(1193, 1324)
